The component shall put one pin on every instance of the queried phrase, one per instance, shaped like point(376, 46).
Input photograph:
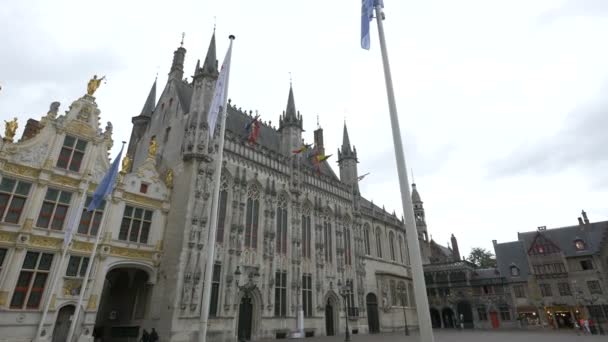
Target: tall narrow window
point(367, 246)
point(401, 248)
point(251, 223)
point(306, 236)
point(221, 218)
point(378, 242)
point(13, 194)
point(90, 220)
point(410, 292)
point(2, 256)
point(280, 294)
point(32, 280)
point(215, 290)
point(72, 153)
point(352, 310)
point(327, 232)
point(394, 294)
point(347, 253)
point(391, 241)
point(281, 228)
point(135, 225)
point(54, 209)
point(307, 294)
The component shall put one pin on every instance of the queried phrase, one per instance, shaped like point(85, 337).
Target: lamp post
point(403, 301)
point(345, 290)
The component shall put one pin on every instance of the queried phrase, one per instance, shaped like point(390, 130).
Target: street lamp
point(345, 290)
point(403, 301)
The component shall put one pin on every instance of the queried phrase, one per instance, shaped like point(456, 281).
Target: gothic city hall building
point(298, 250)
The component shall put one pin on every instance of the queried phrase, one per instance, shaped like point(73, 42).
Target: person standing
point(145, 336)
point(153, 336)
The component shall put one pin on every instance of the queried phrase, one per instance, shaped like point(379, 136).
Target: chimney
point(319, 140)
point(494, 242)
point(585, 217)
point(32, 127)
point(580, 222)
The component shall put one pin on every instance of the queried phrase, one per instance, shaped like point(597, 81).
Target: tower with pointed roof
point(421, 227)
point(140, 122)
point(290, 126)
point(347, 160)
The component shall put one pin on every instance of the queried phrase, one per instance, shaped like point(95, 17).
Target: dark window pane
point(73, 264)
point(3, 203)
point(145, 231)
point(31, 258)
point(2, 256)
point(7, 184)
point(76, 161)
point(148, 215)
point(81, 145)
point(45, 215)
point(45, 262)
point(59, 217)
point(96, 223)
point(85, 220)
point(69, 141)
point(64, 158)
point(14, 212)
point(128, 211)
point(83, 266)
point(51, 195)
point(124, 229)
point(138, 213)
point(134, 230)
point(65, 197)
point(23, 188)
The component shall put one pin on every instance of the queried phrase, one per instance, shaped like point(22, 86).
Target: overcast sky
point(503, 104)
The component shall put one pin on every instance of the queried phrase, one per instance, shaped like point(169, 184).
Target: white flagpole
point(71, 225)
point(422, 304)
point(88, 271)
point(202, 333)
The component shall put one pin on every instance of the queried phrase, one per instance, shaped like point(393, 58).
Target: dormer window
point(514, 271)
point(72, 153)
point(579, 244)
point(143, 188)
point(540, 249)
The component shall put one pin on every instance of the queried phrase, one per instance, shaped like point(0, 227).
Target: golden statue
point(126, 164)
point(152, 148)
point(10, 128)
point(169, 179)
point(94, 84)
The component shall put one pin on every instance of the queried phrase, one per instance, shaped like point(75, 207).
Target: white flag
point(219, 96)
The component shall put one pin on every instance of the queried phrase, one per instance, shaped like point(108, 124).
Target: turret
point(140, 122)
point(290, 126)
point(347, 160)
point(455, 250)
point(419, 214)
point(177, 67)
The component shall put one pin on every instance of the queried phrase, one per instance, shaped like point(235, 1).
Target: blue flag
point(367, 13)
point(107, 184)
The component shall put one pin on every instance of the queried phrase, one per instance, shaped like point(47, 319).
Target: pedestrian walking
point(153, 336)
point(145, 336)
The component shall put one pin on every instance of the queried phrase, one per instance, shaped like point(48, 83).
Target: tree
point(482, 257)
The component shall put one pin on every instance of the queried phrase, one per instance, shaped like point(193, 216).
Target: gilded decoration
point(3, 298)
point(93, 84)
point(152, 148)
point(21, 170)
point(92, 302)
point(132, 253)
point(46, 242)
point(169, 179)
point(142, 200)
point(8, 236)
point(71, 287)
point(126, 165)
point(10, 128)
point(80, 128)
point(82, 246)
point(64, 180)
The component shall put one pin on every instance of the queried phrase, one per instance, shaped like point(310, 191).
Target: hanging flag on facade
point(367, 14)
point(107, 183)
point(317, 159)
point(219, 95)
point(303, 148)
point(361, 177)
point(253, 130)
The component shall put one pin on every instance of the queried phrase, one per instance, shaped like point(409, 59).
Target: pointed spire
point(345, 139)
point(415, 194)
point(210, 63)
point(150, 104)
point(346, 152)
point(177, 67)
point(290, 112)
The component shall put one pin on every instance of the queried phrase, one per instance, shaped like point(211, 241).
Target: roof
point(592, 234)
point(415, 194)
point(512, 254)
point(184, 93)
point(486, 273)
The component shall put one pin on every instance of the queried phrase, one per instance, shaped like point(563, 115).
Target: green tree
point(482, 257)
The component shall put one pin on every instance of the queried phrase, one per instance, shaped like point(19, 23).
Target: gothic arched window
point(306, 233)
point(281, 237)
point(401, 248)
point(347, 254)
point(327, 233)
point(391, 241)
point(252, 218)
point(221, 218)
point(366, 238)
point(379, 242)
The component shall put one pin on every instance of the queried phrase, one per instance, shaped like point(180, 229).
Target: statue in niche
point(152, 148)
point(10, 129)
point(169, 179)
point(93, 84)
point(126, 165)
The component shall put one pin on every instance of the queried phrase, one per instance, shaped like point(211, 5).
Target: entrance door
point(329, 318)
point(245, 318)
point(494, 318)
point(372, 313)
point(62, 325)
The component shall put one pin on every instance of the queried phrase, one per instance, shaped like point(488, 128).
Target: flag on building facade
point(220, 93)
point(107, 183)
point(303, 148)
point(253, 130)
point(367, 13)
point(361, 177)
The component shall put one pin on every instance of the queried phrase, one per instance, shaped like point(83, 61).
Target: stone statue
point(152, 148)
point(126, 164)
point(169, 179)
point(94, 84)
point(10, 129)
point(53, 109)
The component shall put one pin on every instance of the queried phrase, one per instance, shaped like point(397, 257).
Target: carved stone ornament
point(254, 191)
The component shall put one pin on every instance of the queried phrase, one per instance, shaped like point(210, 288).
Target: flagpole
point(422, 305)
point(56, 274)
point(202, 334)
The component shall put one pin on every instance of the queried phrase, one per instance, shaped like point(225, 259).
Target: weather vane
point(182, 43)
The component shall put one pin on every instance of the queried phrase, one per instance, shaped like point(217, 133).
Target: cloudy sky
point(503, 104)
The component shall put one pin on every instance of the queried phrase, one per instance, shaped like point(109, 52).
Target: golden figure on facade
point(169, 179)
point(126, 165)
point(94, 84)
point(10, 128)
point(152, 148)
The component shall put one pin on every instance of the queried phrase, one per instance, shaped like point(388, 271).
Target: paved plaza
point(471, 336)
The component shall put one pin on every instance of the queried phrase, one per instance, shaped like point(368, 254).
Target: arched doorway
point(373, 321)
point(448, 318)
point(435, 318)
point(465, 312)
point(62, 324)
point(123, 304)
point(329, 318)
point(245, 318)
